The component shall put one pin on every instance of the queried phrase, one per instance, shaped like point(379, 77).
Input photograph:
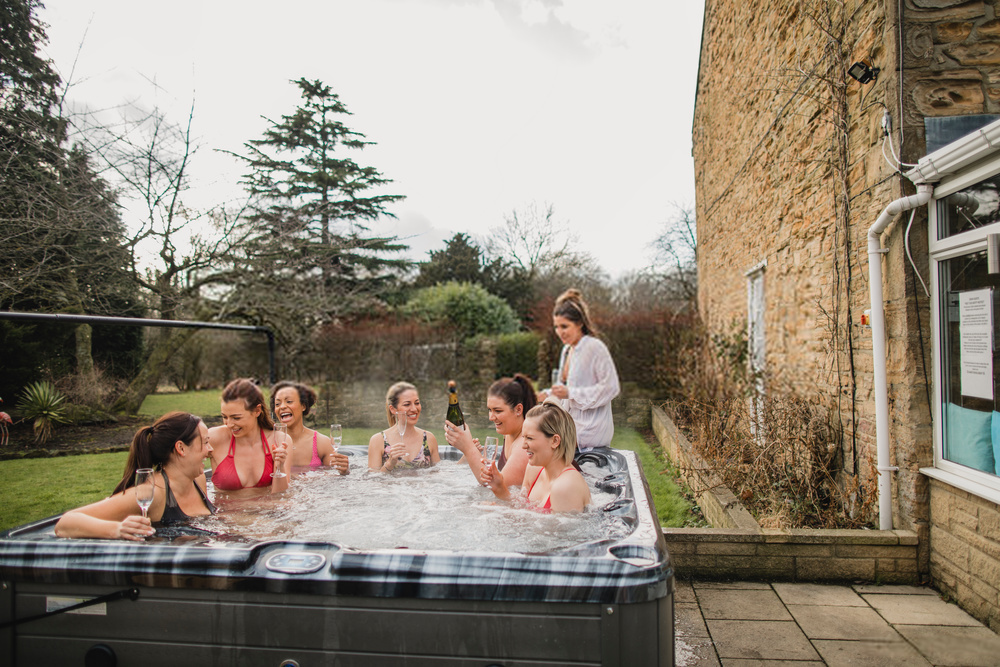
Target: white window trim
point(972, 481)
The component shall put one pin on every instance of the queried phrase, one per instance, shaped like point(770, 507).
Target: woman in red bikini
point(290, 402)
point(553, 483)
point(242, 454)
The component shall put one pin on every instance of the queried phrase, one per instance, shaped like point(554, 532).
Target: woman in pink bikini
point(243, 456)
point(553, 483)
point(290, 402)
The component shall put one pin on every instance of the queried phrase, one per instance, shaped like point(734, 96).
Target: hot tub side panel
point(170, 627)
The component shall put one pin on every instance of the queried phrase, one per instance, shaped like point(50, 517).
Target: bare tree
point(676, 251)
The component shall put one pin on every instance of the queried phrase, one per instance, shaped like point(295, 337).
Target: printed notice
point(976, 334)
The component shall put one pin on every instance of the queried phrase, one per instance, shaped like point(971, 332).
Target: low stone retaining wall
point(738, 548)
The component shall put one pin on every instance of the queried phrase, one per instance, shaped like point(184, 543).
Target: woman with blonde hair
point(587, 379)
point(403, 444)
point(550, 442)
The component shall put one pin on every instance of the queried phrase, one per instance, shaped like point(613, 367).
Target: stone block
point(947, 546)
point(948, 97)
point(977, 55)
point(834, 569)
point(873, 551)
point(989, 29)
point(809, 550)
point(956, 31)
point(726, 548)
point(985, 568)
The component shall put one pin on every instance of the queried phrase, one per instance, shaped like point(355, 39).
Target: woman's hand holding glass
point(489, 454)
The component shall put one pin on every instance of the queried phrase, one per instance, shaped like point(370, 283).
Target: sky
point(477, 107)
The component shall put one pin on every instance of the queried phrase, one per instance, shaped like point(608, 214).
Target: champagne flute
point(401, 420)
point(490, 452)
point(555, 377)
point(337, 435)
point(144, 487)
point(280, 438)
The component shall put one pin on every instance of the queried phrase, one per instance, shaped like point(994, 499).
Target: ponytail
point(152, 445)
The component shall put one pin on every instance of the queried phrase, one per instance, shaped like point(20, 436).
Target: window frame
point(973, 481)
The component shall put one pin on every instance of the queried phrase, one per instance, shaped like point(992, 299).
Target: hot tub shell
point(321, 603)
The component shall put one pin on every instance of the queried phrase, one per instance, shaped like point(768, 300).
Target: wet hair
point(515, 391)
point(247, 391)
point(392, 398)
point(571, 306)
point(553, 420)
point(152, 445)
point(307, 397)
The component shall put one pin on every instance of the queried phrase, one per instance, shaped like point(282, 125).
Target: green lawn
point(202, 403)
point(32, 489)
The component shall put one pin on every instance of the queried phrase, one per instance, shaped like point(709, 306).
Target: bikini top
point(225, 476)
point(548, 498)
point(314, 463)
point(172, 513)
point(421, 460)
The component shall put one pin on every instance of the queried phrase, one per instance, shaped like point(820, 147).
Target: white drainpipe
point(875, 250)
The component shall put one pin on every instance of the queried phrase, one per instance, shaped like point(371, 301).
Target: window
point(967, 331)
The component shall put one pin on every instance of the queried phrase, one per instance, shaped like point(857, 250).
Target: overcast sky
point(477, 107)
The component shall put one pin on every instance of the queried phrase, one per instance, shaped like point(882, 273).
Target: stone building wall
point(789, 169)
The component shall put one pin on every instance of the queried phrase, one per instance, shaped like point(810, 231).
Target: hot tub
point(288, 602)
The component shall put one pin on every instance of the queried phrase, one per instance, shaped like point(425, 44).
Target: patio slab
point(956, 645)
point(747, 604)
point(840, 596)
point(760, 640)
point(919, 610)
point(840, 653)
point(819, 622)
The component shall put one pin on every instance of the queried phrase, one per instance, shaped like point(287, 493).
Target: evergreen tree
point(312, 208)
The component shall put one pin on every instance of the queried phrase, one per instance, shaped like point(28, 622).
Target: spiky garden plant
point(43, 403)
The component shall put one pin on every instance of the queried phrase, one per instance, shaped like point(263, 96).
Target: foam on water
point(440, 508)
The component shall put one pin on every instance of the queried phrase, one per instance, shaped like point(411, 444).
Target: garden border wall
point(738, 548)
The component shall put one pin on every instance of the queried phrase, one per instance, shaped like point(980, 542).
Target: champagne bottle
point(454, 411)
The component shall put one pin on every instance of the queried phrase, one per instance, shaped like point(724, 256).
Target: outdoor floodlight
point(863, 72)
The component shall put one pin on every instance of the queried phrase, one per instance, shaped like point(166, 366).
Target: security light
point(863, 72)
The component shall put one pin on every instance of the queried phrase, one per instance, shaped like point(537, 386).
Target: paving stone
point(893, 590)
point(734, 585)
point(695, 652)
point(688, 621)
point(871, 654)
point(842, 623)
point(955, 646)
point(740, 662)
point(840, 596)
point(919, 610)
point(760, 640)
point(684, 592)
point(750, 605)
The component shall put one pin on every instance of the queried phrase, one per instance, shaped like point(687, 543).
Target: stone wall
point(789, 169)
point(965, 550)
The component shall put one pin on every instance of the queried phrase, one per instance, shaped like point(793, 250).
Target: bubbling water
point(439, 508)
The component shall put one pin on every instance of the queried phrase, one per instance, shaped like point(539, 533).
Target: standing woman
point(290, 402)
point(588, 379)
point(507, 402)
point(415, 448)
point(550, 442)
point(175, 447)
point(242, 457)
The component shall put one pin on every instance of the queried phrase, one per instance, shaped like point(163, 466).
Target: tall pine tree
point(313, 205)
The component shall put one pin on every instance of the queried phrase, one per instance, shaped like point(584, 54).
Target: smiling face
point(408, 403)
point(507, 420)
point(288, 405)
point(569, 332)
point(239, 419)
point(540, 447)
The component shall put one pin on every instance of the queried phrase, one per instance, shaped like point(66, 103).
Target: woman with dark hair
point(290, 402)
point(242, 456)
point(403, 444)
point(507, 401)
point(587, 377)
point(175, 447)
point(550, 443)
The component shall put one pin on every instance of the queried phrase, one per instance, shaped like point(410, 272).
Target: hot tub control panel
point(295, 562)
